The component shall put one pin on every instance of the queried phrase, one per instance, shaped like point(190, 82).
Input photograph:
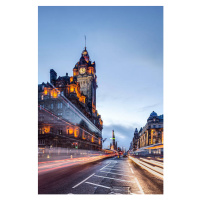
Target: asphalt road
point(108, 176)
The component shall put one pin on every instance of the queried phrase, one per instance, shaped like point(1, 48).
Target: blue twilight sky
point(127, 45)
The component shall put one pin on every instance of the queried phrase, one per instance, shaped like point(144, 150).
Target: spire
point(85, 42)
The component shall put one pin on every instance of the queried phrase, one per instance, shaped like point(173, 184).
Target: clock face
point(82, 70)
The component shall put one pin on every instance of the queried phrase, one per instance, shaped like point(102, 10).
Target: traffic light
point(75, 145)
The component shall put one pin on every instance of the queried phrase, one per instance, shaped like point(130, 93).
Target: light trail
point(62, 163)
point(150, 169)
point(157, 163)
point(69, 123)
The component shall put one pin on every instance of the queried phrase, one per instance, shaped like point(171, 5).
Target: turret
point(53, 76)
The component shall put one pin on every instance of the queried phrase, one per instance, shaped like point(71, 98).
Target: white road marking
point(114, 169)
point(139, 186)
point(119, 167)
point(97, 185)
point(105, 166)
point(83, 181)
point(114, 178)
point(132, 170)
point(117, 174)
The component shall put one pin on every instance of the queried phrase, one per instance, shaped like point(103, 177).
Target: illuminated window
point(42, 97)
point(76, 133)
point(52, 106)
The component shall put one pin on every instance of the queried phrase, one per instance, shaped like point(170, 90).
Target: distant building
point(131, 145)
point(123, 150)
point(135, 139)
point(67, 115)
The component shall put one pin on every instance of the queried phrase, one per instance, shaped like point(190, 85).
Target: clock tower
point(85, 72)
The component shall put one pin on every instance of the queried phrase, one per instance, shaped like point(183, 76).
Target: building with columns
point(67, 114)
point(150, 134)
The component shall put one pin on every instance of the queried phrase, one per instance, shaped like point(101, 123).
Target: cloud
point(147, 107)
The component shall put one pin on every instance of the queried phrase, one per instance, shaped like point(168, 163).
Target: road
point(109, 176)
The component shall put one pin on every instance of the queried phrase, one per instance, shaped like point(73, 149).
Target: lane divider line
point(139, 186)
point(114, 178)
point(105, 166)
point(119, 167)
point(132, 170)
point(83, 181)
point(117, 174)
point(114, 169)
point(98, 185)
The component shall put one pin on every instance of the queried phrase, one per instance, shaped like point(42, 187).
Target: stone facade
point(151, 133)
point(67, 115)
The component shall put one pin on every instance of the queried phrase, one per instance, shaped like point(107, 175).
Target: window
point(41, 106)
point(59, 132)
point(59, 105)
point(42, 97)
point(52, 106)
point(51, 130)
